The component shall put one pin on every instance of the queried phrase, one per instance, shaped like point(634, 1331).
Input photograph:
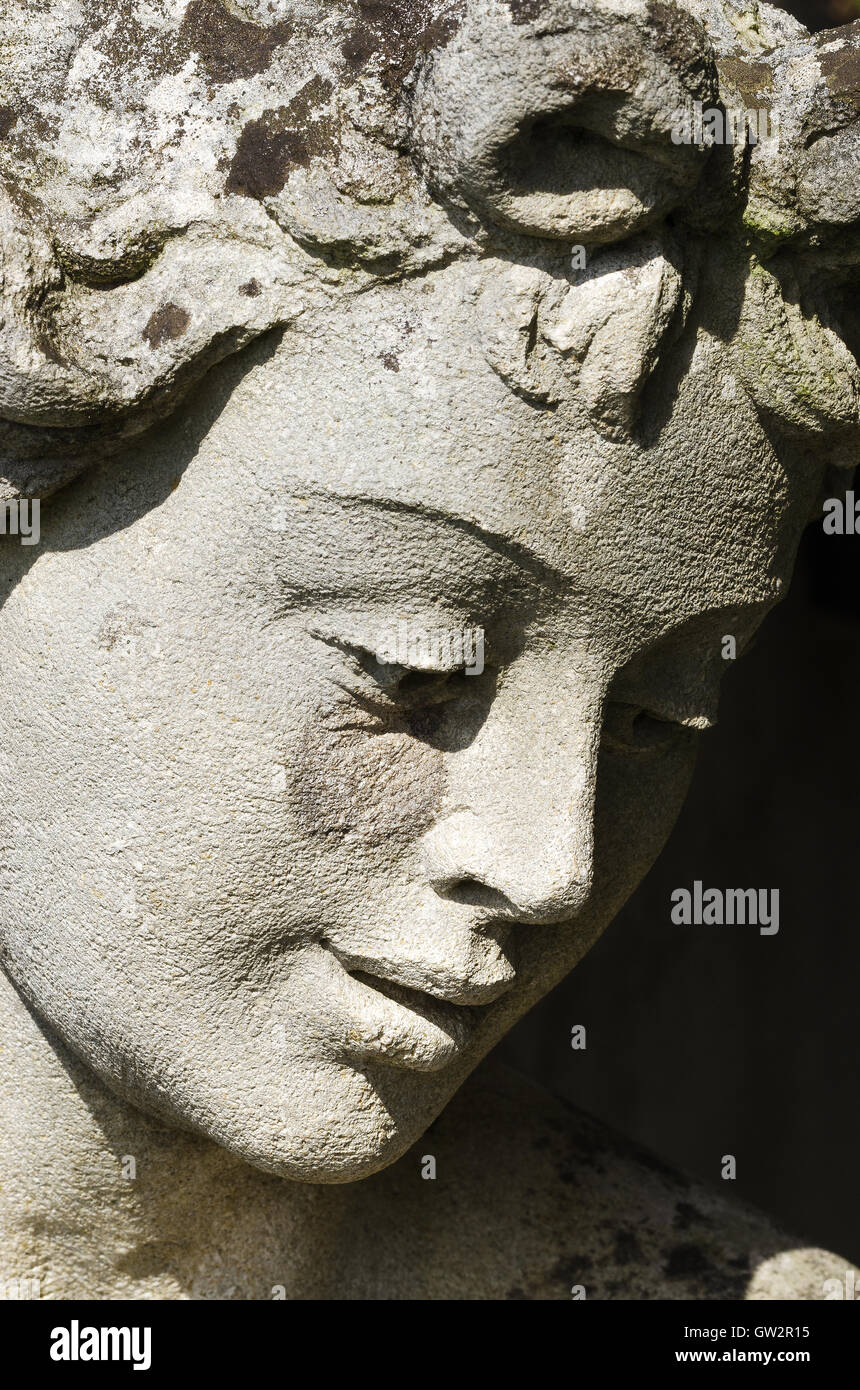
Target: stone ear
point(613, 324)
point(605, 327)
point(562, 127)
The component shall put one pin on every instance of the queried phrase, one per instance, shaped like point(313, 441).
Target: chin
point(326, 1155)
point(338, 1125)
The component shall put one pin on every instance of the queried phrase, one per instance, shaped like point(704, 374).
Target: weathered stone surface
point(168, 153)
point(271, 896)
point(531, 1198)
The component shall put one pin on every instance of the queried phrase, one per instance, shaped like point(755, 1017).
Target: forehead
point(391, 398)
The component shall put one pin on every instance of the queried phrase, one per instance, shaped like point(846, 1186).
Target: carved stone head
point(357, 677)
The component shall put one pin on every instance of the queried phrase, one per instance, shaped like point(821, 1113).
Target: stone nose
point(516, 868)
point(518, 837)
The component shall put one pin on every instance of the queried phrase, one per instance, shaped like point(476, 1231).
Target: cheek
point(385, 789)
point(638, 801)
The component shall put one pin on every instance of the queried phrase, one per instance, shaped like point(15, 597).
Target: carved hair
point(177, 178)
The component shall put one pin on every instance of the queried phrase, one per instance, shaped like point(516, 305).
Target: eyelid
point(701, 716)
point(358, 649)
point(385, 698)
point(699, 722)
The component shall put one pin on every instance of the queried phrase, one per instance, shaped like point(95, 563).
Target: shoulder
point(533, 1199)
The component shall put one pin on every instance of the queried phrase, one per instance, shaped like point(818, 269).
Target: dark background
point(823, 14)
point(707, 1041)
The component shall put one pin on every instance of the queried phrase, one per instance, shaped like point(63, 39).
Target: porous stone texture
point(336, 330)
point(178, 178)
point(529, 1199)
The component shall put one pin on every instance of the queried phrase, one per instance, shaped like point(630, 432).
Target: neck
point(99, 1201)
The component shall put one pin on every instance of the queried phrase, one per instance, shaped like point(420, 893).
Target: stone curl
point(178, 177)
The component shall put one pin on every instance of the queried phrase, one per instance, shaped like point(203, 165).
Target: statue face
point(274, 889)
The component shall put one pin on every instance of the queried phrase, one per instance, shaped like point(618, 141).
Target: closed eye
point(629, 728)
point(384, 687)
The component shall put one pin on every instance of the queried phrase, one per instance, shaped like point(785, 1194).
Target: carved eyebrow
point(520, 555)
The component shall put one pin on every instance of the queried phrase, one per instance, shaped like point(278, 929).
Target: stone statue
point(415, 396)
